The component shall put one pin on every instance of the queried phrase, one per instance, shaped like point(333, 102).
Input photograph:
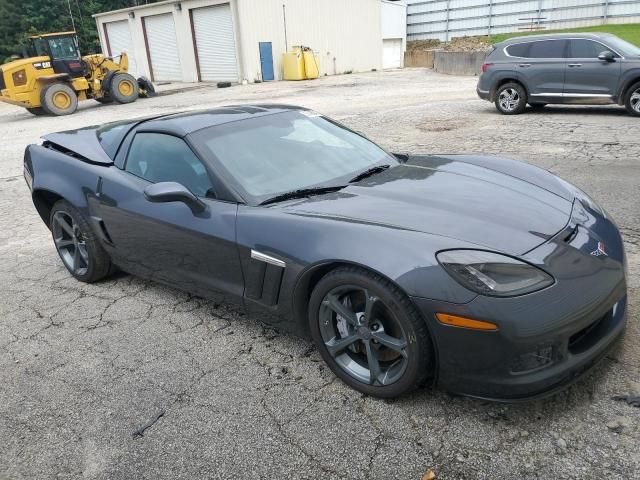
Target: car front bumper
point(547, 339)
point(493, 366)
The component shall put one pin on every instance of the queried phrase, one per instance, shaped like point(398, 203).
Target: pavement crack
point(138, 433)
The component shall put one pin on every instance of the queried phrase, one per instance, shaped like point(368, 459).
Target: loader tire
point(147, 89)
point(59, 99)
point(123, 88)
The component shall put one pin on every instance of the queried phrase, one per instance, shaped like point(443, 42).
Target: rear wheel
point(124, 88)
point(632, 101)
point(511, 99)
point(369, 333)
point(77, 245)
point(59, 99)
point(37, 111)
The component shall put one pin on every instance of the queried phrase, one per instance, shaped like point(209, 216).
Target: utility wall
point(346, 36)
point(446, 19)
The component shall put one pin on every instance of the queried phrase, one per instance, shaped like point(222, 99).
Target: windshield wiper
point(301, 193)
point(368, 173)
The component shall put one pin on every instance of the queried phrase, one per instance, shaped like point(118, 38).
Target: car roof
point(184, 123)
point(556, 36)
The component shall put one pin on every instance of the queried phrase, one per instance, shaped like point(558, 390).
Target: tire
point(511, 99)
point(123, 88)
point(632, 100)
point(395, 336)
point(59, 99)
point(37, 111)
point(77, 244)
point(147, 89)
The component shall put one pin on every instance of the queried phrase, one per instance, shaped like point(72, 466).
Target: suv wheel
point(511, 99)
point(632, 102)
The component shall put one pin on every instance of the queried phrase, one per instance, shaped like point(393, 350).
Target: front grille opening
point(528, 362)
point(586, 338)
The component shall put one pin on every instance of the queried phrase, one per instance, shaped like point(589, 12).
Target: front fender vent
point(264, 278)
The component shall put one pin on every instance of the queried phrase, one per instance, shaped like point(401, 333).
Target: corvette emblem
point(600, 251)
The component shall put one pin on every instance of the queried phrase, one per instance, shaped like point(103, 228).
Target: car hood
point(448, 197)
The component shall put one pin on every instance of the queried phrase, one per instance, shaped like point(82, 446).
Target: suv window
point(157, 157)
point(586, 49)
point(519, 50)
point(548, 49)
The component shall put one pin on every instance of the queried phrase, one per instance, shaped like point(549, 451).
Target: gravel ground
point(214, 394)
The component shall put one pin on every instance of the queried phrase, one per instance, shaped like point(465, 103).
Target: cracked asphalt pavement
point(128, 379)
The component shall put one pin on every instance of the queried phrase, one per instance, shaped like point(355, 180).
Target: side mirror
point(173, 192)
point(607, 56)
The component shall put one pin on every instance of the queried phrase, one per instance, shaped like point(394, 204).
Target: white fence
point(446, 19)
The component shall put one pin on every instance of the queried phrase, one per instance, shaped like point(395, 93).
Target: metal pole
point(73, 23)
point(606, 11)
point(284, 20)
point(447, 27)
point(490, 17)
point(539, 14)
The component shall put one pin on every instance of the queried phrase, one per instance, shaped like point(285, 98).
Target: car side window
point(547, 49)
point(586, 49)
point(519, 50)
point(157, 157)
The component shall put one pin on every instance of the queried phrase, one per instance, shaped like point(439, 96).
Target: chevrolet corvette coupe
point(485, 276)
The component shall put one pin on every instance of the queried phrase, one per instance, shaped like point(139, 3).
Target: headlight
point(493, 274)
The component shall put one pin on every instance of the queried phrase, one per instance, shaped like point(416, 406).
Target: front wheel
point(77, 245)
point(123, 88)
point(369, 333)
point(632, 101)
point(511, 99)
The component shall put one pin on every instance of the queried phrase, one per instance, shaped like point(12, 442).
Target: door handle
point(525, 65)
point(575, 65)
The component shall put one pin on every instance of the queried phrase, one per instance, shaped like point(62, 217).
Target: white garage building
point(236, 40)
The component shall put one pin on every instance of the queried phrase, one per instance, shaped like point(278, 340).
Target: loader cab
point(62, 49)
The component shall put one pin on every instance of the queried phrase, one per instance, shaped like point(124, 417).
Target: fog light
point(535, 360)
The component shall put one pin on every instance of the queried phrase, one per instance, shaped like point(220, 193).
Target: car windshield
point(274, 154)
point(624, 47)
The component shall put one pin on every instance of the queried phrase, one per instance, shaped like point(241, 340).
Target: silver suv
point(592, 69)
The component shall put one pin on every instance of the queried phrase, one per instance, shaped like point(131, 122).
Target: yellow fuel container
point(293, 63)
point(300, 64)
point(311, 64)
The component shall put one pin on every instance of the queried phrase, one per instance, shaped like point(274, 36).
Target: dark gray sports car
point(486, 276)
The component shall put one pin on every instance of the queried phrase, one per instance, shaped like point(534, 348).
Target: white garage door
point(119, 40)
point(392, 53)
point(216, 47)
point(163, 47)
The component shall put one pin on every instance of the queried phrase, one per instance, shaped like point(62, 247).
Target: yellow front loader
point(55, 77)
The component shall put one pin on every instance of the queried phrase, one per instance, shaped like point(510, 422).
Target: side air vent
point(264, 278)
point(63, 150)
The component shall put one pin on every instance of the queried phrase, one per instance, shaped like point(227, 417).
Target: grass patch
point(629, 32)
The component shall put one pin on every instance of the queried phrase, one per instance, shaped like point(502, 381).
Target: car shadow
point(590, 110)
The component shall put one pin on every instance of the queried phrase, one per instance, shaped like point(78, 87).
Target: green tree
point(20, 19)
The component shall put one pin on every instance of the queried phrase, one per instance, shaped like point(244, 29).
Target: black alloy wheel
point(77, 245)
point(369, 333)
